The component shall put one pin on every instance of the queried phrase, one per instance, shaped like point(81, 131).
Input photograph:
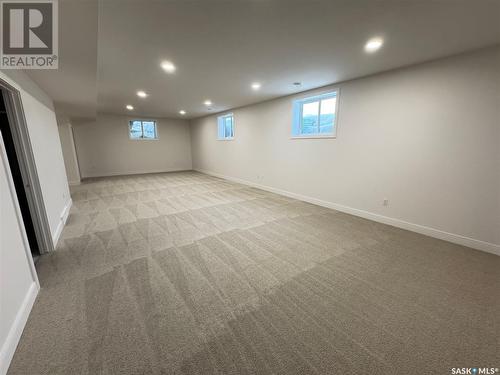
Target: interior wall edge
point(10, 345)
point(62, 223)
point(417, 228)
point(26, 83)
point(134, 173)
point(45, 143)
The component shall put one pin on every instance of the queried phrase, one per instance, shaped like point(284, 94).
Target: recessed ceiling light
point(141, 94)
point(207, 102)
point(168, 66)
point(373, 44)
point(256, 86)
point(182, 112)
point(130, 107)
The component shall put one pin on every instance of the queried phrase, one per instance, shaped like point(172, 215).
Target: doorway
point(19, 153)
point(17, 178)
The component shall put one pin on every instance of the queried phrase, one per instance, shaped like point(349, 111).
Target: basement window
point(225, 127)
point(316, 116)
point(142, 129)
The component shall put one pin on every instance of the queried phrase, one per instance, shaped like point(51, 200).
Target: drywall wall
point(18, 281)
point(68, 149)
point(105, 149)
point(44, 137)
point(427, 138)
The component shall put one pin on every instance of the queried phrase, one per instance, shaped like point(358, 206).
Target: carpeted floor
point(182, 273)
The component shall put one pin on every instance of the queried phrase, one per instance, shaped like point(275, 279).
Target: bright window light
point(225, 127)
point(142, 129)
point(315, 116)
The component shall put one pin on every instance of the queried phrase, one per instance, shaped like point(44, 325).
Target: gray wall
point(425, 137)
point(105, 149)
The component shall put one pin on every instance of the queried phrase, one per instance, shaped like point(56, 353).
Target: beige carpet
point(182, 273)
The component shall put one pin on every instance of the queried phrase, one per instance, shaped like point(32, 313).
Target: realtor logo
point(29, 34)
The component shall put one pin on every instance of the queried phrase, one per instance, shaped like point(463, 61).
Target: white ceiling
point(110, 49)
point(73, 87)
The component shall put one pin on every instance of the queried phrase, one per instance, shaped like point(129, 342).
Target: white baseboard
point(9, 346)
point(73, 183)
point(62, 222)
point(131, 173)
point(431, 232)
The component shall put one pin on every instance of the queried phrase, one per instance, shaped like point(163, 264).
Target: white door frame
point(24, 152)
point(13, 194)
point(8, 347)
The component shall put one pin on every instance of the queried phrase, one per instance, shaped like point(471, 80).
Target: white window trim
point(228, 138)
point(157, 138)
point(312, 98)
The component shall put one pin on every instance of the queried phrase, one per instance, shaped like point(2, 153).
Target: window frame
point(297, 108)
point(220, 121)
point(157, 136)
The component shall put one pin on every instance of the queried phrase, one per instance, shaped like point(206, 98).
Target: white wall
point(425, 137)
point(44, 137)
point(105, 149)
point(18, 281)
point(68, 150)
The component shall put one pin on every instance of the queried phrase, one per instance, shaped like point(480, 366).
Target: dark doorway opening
point(19, 184)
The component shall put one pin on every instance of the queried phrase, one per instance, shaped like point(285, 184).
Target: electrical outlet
point(385, 202)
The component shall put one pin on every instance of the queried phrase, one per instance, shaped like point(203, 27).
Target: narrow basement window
point(315, 116)
point(225, 127)
point(142, 130)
